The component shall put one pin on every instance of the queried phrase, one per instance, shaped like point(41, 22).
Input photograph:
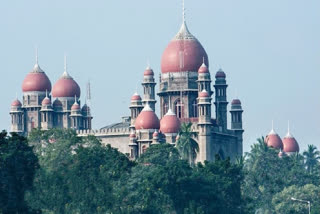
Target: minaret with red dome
point(135, 108)
point(221, 102)
point(64, 90)
point(148, 85)
point(46, 114)
point(76, 116)
point(34, 88)
point(204, 126)
point(17, 119)
point(204, 79)
point(180, 62)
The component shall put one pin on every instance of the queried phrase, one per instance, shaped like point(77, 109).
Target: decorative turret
point(204, 107)
point(86, 117)
point(236, 115)
point(16, 113)
point(221, 99)
point(236, 122)
point(76, 116)
point(155, 138)
point(204, 79)
point(148, 85)
point(46, 114)
point(204, 126)
point(135, 108)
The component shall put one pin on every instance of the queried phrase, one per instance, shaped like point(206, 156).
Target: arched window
point(194, 109)
point(178, 106)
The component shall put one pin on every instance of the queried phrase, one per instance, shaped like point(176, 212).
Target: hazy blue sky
point(270, 51)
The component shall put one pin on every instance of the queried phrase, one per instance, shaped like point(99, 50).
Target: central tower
point(179, 73)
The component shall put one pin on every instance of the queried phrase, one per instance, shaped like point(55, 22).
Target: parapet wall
point(104, 132)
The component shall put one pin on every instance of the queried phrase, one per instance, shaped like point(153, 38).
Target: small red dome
point(57, 103)
point(148, 72)
point(147, 119)
point(155, 134)
point(46, 101)
point(290, 144)
point(193, 53)
point(274, 140)
point(203, 69)
point(135, 97)
point(170, 123)
point(16, 103)
point(204, 94)
point(236, 102)
point(85, 108)
point(220, 74)
point(132, 135)
point(66, 87)
point(36, 80)
point(75, 106)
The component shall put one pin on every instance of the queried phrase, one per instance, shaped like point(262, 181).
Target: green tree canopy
point(17, 168)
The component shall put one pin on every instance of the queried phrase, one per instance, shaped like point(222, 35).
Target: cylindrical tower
point(221, 99)
point(148, 85)
point(46, 114)
point(16, 113)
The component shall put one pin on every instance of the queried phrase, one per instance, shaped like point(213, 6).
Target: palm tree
point(186, 145)
point(312, 155)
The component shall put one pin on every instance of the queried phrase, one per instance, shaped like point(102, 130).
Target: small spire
point(46, 93)
point(65, 73)
point(289, 135)
point(183, 12)
point(65, 63)
point(16, 95)
point(75, 99)
point(148, 64)
point(37, 58)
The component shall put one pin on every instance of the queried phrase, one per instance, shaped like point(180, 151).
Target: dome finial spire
point(65, 73)
point(183, 12)
point(65, 63)
point(37, 58)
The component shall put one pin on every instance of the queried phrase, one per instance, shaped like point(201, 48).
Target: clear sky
point(270, 51)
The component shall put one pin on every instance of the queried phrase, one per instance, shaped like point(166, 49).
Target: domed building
point(185, 96)
point(37, 110)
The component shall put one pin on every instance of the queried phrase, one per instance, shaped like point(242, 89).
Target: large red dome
point(36, 80)
point(274, 140)
point(66, 87)
point(147, 119)
point(170, 124)
point(290, 144)
point(186, 45)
